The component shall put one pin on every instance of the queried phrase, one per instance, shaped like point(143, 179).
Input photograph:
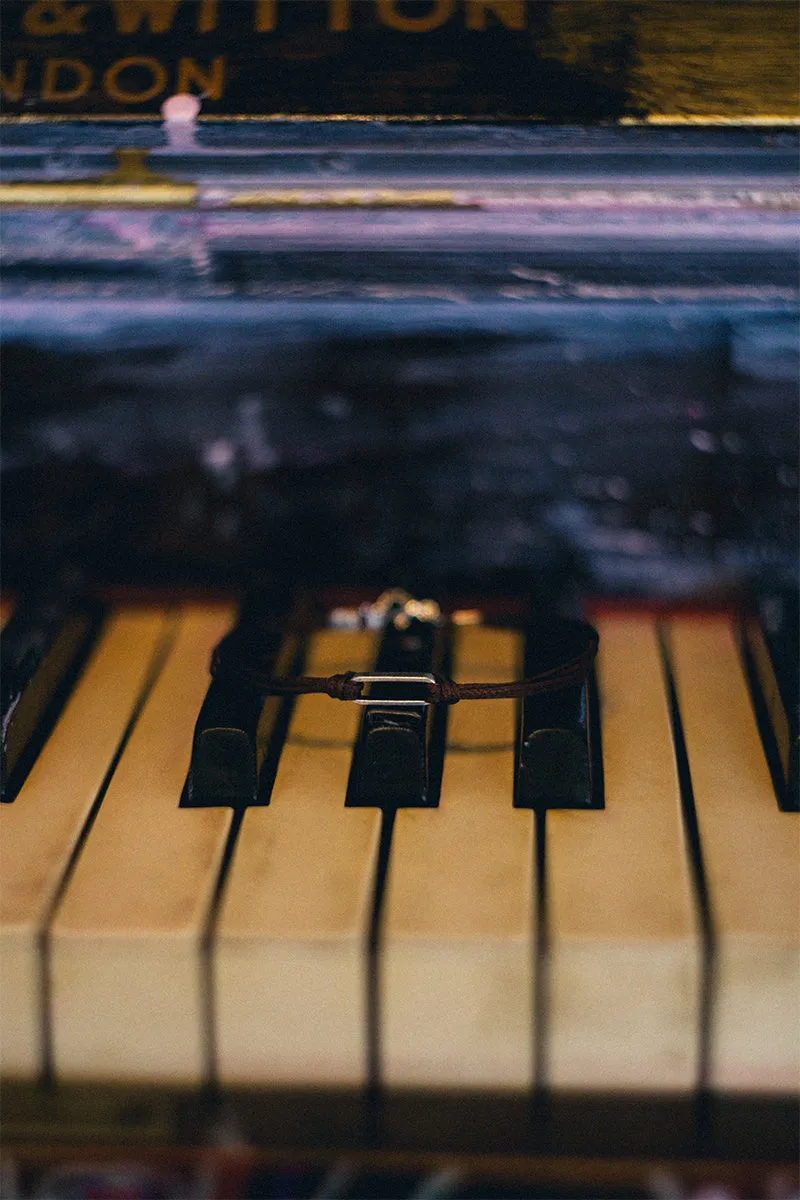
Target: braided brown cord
point(440, 690)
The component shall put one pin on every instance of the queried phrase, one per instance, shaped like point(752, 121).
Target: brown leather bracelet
point(434, 688)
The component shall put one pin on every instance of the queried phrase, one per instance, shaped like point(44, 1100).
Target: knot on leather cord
point(443, 690)
point(341, 687)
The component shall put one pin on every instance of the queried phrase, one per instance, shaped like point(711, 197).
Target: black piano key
point(42, 649)
point(771, 646)
point(397, 757)
point(224, 752)
point(236, 726)
point(557, 764)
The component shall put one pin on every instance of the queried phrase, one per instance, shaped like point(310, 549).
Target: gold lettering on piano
point(111, 79)
point(211, 82)
point(12, 86)
point(339, 15)
point(53, 70)
point(67, 79)
point(48, 17)
point(207, 16)
point(510, 13)
point(266, 16)
point(442, 11)
point(157, 15)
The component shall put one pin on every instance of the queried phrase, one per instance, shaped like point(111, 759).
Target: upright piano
point(411, 337)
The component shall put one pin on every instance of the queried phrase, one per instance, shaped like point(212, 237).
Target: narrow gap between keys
point(373, 943)
point(266, 780)
point(541, 976)
point(541, 946)
point(157, 661)
point(207, 996)
point(436, 756)
point(695, 850)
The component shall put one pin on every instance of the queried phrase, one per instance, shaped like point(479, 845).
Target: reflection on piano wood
point(650, 947)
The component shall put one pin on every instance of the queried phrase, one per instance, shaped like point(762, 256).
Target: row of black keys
point(399, 755)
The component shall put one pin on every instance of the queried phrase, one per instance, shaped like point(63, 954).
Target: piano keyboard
point(143, 941)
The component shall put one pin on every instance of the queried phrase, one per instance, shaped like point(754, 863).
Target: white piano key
point(126, 941)
point(624, 948)
point(290, 946)
point(751, 855)
point(40, 829)
point(457, 948)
